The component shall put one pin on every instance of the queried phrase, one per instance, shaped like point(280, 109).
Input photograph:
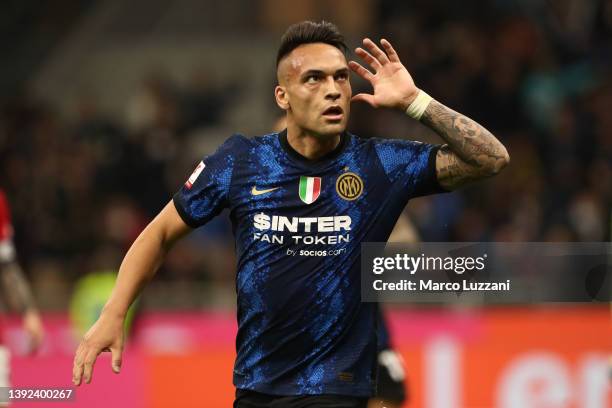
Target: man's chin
point(332, 129)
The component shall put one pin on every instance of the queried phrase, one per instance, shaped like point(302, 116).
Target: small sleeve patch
point(194, 176)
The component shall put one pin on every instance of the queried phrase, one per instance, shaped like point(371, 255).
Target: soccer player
point(16, 290)
point(391, 390)
point(301, 202)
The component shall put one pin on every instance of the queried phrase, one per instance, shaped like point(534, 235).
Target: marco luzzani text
point(413, 264)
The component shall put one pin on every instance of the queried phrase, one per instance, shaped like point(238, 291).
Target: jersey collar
point(293, 154)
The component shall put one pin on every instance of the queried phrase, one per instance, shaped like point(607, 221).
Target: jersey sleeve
point(205, 193)
point(7, 250)
point(410, 164)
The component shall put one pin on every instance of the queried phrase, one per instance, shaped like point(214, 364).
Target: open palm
point(392, 83)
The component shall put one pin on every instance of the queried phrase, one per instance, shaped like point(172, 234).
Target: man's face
point(314, 88)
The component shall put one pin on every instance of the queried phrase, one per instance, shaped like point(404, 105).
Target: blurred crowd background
point(106, 106)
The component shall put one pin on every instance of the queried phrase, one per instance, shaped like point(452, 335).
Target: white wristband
point(418, 106)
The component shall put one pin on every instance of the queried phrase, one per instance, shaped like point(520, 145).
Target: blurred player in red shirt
point(16, 290)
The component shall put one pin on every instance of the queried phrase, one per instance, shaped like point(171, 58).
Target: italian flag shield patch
point(310, 189)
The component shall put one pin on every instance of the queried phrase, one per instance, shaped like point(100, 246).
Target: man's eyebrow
point(313, 72)
point(321, 72)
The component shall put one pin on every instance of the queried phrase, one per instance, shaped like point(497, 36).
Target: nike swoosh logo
point(257, 192)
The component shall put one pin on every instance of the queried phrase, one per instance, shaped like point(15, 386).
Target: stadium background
point(106, 106)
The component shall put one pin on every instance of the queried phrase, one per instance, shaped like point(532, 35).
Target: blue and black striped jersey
point(298, 225)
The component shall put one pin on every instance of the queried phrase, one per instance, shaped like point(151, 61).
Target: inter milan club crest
point(349, 186)
point(310, 189)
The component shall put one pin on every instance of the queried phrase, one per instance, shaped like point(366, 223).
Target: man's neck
point(309, 145)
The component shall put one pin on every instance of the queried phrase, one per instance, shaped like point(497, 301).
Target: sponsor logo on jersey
point(349, 186)
point(256, 192)
point(277, 229)
point(310, 189)
point(265, 222)
point(194, 176)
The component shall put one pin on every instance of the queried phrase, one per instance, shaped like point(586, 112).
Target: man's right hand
point(139, 265)
point(105, 335)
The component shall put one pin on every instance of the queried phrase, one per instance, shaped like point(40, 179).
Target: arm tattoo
point(471, 152)
point(16, 288)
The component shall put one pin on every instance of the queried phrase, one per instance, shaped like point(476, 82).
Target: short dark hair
point(307, 32)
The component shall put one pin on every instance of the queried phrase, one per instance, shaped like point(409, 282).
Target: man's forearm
point(16, 287)
point(140, 264)
point(144, 258)
point(471, 142)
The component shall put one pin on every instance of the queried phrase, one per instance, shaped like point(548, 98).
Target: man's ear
point(282, 99)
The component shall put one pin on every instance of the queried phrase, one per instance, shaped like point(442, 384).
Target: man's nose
point(333, 90)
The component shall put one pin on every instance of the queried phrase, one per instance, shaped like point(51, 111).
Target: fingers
point(368, 76)
point(84, 361)
point(393, 57)
point(77, 367)
point(116, 359)
point(376, 51)
point(361, 71)
point(88, 365)
point(367, 57)
point(365, 98)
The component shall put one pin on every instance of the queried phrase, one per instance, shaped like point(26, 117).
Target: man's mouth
point(333, 113)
